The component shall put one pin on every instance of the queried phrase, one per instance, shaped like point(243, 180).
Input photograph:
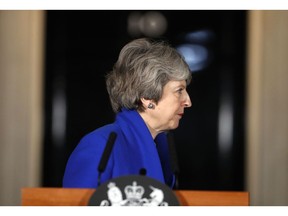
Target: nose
point(187, 102)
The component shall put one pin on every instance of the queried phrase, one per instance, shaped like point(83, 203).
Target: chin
point(174, 126)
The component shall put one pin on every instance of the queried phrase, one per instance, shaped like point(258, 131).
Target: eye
point(180, 90)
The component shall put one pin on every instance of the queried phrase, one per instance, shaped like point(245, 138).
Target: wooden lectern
point(80, 197)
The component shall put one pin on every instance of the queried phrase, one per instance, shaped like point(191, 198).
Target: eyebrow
point(181, 85)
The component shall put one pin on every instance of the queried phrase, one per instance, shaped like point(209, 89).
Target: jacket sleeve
point(82, 167)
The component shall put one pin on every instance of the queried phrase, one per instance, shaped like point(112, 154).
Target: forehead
point(175, 84)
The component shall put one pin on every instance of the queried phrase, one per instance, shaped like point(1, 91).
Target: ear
point(146, 102)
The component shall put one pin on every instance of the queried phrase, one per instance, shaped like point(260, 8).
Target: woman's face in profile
point(170, 108)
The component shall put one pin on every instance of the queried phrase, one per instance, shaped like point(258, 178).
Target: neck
point(152, 130)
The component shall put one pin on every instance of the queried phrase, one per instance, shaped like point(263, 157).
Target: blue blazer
point(134, 149)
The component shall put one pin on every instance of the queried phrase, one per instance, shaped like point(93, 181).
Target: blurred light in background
point(196, 56)
point(59, 112)
point(150, 24)
point(225, 125)
point(201, 36)
point(195, 49)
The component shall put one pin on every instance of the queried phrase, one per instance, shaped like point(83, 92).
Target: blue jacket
point(134, 149)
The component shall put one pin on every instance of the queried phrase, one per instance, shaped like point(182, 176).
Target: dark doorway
point(82, 46)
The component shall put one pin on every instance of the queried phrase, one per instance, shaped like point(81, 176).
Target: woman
point(147, 89)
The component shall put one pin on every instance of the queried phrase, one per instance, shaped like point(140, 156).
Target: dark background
point(82, 46)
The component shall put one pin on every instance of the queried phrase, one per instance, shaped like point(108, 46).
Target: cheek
point(169, 109)
point(175, 107)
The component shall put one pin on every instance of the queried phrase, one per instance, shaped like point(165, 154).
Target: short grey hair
point(143, 68)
